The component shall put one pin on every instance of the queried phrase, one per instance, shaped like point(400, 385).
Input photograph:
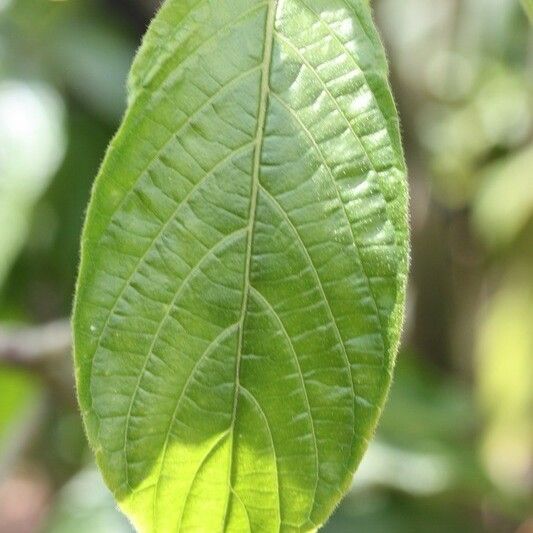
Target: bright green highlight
point(244, 265)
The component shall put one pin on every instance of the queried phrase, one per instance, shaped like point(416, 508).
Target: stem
point(43, 351)
point(31, 347)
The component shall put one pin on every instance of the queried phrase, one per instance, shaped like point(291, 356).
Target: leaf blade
point(259, 208)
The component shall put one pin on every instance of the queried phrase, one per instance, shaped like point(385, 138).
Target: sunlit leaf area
point(454, 447)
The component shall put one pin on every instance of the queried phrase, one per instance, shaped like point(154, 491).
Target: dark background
point(454, 449)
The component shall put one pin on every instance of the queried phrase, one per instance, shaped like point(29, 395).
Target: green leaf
point(500, 224)
point(18, 389)
point(243, 267)
point(528, 6)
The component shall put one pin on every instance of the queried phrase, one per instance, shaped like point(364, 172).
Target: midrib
point(259, 139)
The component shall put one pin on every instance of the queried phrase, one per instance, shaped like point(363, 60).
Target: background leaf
point(28, 113)
point(243, 267)
point(528, 6)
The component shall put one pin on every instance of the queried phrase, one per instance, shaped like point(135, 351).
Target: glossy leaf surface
point(243, 267)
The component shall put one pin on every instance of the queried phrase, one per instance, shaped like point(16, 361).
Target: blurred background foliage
point(454, 451)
